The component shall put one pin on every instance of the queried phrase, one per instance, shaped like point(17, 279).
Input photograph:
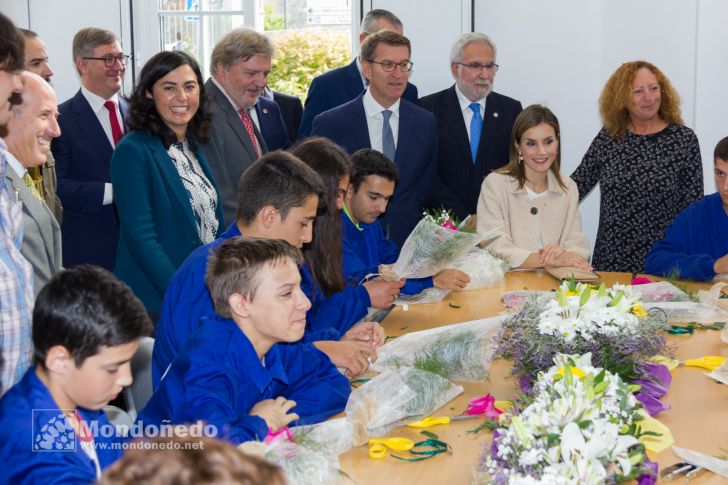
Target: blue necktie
point(476, 127)
point(387, 136)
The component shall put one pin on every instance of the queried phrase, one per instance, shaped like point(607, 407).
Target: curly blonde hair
point(617, 94)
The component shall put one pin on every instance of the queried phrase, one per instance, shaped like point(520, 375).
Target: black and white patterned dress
point(645, 181)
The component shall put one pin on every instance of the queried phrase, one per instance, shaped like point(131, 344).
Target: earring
point(520, 157)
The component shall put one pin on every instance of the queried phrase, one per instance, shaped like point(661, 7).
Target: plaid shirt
point(16, 287)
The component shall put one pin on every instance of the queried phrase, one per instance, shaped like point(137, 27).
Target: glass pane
point(179, 5)
point(217, 5)
point(180, 33)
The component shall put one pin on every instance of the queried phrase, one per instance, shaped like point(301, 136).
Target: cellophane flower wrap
point(432, 247)
point(610, 323)
point(397, 396)
point(461, 352)
point(579, 425)
point(484, 269)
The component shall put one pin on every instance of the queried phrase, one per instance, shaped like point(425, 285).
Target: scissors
point(378, 446)
point(434, 420)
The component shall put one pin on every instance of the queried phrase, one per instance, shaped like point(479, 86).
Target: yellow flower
point(572, 293)
point(576, 371)
point(639, 311)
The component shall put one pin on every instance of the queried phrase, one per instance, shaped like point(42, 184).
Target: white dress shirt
point(375, 119)
point(97, 106)
point(465, 108)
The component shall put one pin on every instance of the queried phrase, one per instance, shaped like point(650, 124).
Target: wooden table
point(697, 419)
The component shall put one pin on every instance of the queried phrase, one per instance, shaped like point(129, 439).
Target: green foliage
point(302, 55)
point(271, 21)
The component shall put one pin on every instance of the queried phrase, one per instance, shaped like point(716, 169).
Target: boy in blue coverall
point(241, 371)
point(279, 198)
point(86, 328)
point(695, 245)
point(365, 247)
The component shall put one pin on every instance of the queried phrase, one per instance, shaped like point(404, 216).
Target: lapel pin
point(265, 110)
point(495, 115)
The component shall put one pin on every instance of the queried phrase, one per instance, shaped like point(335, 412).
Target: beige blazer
point(519, 223)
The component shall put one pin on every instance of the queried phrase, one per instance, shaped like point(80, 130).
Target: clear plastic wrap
point(688, 311)
point(429, 295)
point(461, 352)
point(516, 300)
point(661, 291)
point(397, 396)
point(302, 465)
point(333, 437)
point(484, 269)
point(431, 248)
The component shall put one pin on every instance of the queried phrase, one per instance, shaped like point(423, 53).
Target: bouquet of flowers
point(579, 425)
point(461, 352)
point(611, 324)
point(434, 244)
point(396, 396)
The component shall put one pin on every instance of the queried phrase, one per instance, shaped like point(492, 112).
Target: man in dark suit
point(382, 120)
point(30, 131)
point(292, 112)
point(270, 123)
point(473, 123)
point(338, 86)
point(91, 122)
point(240, 64)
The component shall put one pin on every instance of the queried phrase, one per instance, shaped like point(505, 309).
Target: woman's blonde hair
point(530, 117)
point(617, 95)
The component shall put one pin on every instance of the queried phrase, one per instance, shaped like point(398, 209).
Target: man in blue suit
point(471, 144)
point(382, 120)
point(269, 121)
point(343, 84)
point(91, 122)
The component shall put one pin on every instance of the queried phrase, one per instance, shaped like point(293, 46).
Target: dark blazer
point(457, 182)
point(271, 124)
point(416, 157)
point(90, 230)
point(230, 150)
point(334, 88)
point(292, 111)
point(158, 228)
point(41, 233)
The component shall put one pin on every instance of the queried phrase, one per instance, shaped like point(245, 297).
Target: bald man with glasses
point(91, 122)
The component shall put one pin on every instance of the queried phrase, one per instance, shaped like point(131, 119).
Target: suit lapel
point(491, 122)
point(403, 135)
point(355, 84)
point(233, 120)
point(169, 173)
point(454, 119)
point(359, 124)
point(90, 124)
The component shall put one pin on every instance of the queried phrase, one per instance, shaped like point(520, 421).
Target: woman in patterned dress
point(165, 194)
point(646, 162)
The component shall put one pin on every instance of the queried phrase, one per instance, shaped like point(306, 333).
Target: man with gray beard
point(473, 124)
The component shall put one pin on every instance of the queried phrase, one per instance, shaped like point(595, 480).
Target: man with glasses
point(338, 86)
point(380, 119)
point(240, 63)
point(473, 123)
point(91, 122)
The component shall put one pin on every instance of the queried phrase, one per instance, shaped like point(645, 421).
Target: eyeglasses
point(388, 66)
point(476, 66)
point(110, 60)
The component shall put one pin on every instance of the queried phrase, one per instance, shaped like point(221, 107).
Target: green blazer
point(157, 225)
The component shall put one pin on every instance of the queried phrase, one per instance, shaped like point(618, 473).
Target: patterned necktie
point(476, 127)
point(387, 136)
point(116, 132)
point(248, 124)
point(28, 181)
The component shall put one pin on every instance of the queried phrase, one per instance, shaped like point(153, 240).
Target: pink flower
point(485, 406)
point(448, 224)
point(275, 437)
point(641, 281)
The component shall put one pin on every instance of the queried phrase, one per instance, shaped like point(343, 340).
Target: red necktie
point(116, 132)
point(248, 123)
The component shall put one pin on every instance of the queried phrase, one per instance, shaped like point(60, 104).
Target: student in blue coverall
point(242, 371)
point(86, 328)
point(695, 245)
point(279, 199)
point(364, 245)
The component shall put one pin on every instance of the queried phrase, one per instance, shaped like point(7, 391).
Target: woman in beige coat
point(529, 204)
